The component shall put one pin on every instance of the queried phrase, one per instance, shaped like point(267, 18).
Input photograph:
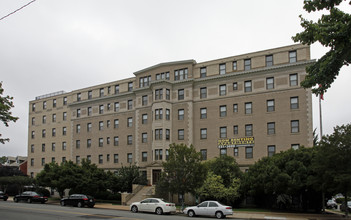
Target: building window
point(222, 69)
point(270, 105)
point(101, 109)
point(168, 134)
point(101, 159)
point(44, 105)
point(77, 159)
point(101, 125)
point(236, 129)
point(129, 140)
point(77, 144)
point(108, 157)
point(64, 100)
point(271, 150)
point(88, 143)
point(295, 146)
point(295, 126)
point(101, 92)
point(108, 140)
point(115, 158)
point(222, 90)
point(158, 114)
point(64, 131)
point(270, 83)
point(292, 56)
point(33, 121)
point(101, 142)
point(293, 79)
point(108, 123)
point(181, 74)
point(90, 94)
point(144, 138)
point(54, 103)
point(90, 111)
point(248, 130)
point(53, 159)
point(129, 122)
point(42, 161)
point(130, 86)
point(144, 119)
point(203, 133)
point(116, 123)
point(89, 158)
point(64, 116)
point(247, 64)
point(167, 154)
point(43, 148)
point(168, 114)
point(158, 94)
point(44, 119)
point(203, 92)
point(144, 81)
point(235, 65)
point(32, 148)
point(203, 154)
point(248, 152)
point(144, 100)
point(158, 134)
point(129, 158)
point(144, 156)
point(168, 94)
point(64, 146)
point(33, 107)
point(79, 97)
point(223, 152)
point(89, 127)
point(33, 134)
point(235, 108)
point(269, 60)
point(222, 111)
point(223, 132)
point(248, 86)
point(181, 134)
point(180, 114)
point(203, 113)
point(203, 72)
point(248, 108)
point(180, 94)
point(78, 128)
point(116, 141)
point(158, 154)
point(130, 104)
point(32, 162)
point(163, 76)
point(43, 133)
point(271, 128)
point(294, 102)
point(235, 86)
point(236, 151)
point(116, 89)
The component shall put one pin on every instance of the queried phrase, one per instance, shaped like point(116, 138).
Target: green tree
point(332, 30)
point(126, 177)
point(183, 171)
point(20, 181)
point(332, 163)
point(5, 114)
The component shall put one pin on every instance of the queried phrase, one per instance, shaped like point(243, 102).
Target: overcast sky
point(54, 45)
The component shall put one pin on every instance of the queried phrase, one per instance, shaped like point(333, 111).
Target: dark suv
point(30, 197)
point(3, 196)
point(78, 200)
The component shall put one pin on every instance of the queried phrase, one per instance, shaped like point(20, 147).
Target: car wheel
point(15, 200)
point(29, 200)
point(62, 203)
point(134, 209)
point(80, 205)
point(159, 211)
point(219, 215)
point(191, 213)
point(5, 199)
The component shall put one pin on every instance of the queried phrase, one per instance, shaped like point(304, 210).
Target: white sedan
point(209, 208)
point(159, 206)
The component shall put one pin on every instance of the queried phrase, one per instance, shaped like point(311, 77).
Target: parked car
point(3, 196)
point(342, 207)
point(159, 206)
point(30, 197)
point(79, 200)
point(209, 208)
point(331, 204)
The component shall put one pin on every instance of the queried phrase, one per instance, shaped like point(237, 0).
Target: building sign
point(236, 142)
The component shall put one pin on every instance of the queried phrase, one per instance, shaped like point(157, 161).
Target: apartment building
point(247, 106)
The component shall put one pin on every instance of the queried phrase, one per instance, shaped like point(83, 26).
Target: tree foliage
point(19, 181)
point(6, 104)
point(332, 30)
point(126, 177)
point(183, 171)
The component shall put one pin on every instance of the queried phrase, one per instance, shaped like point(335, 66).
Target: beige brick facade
point(256, 96)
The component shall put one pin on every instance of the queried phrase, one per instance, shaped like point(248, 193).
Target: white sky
point(54, 45)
